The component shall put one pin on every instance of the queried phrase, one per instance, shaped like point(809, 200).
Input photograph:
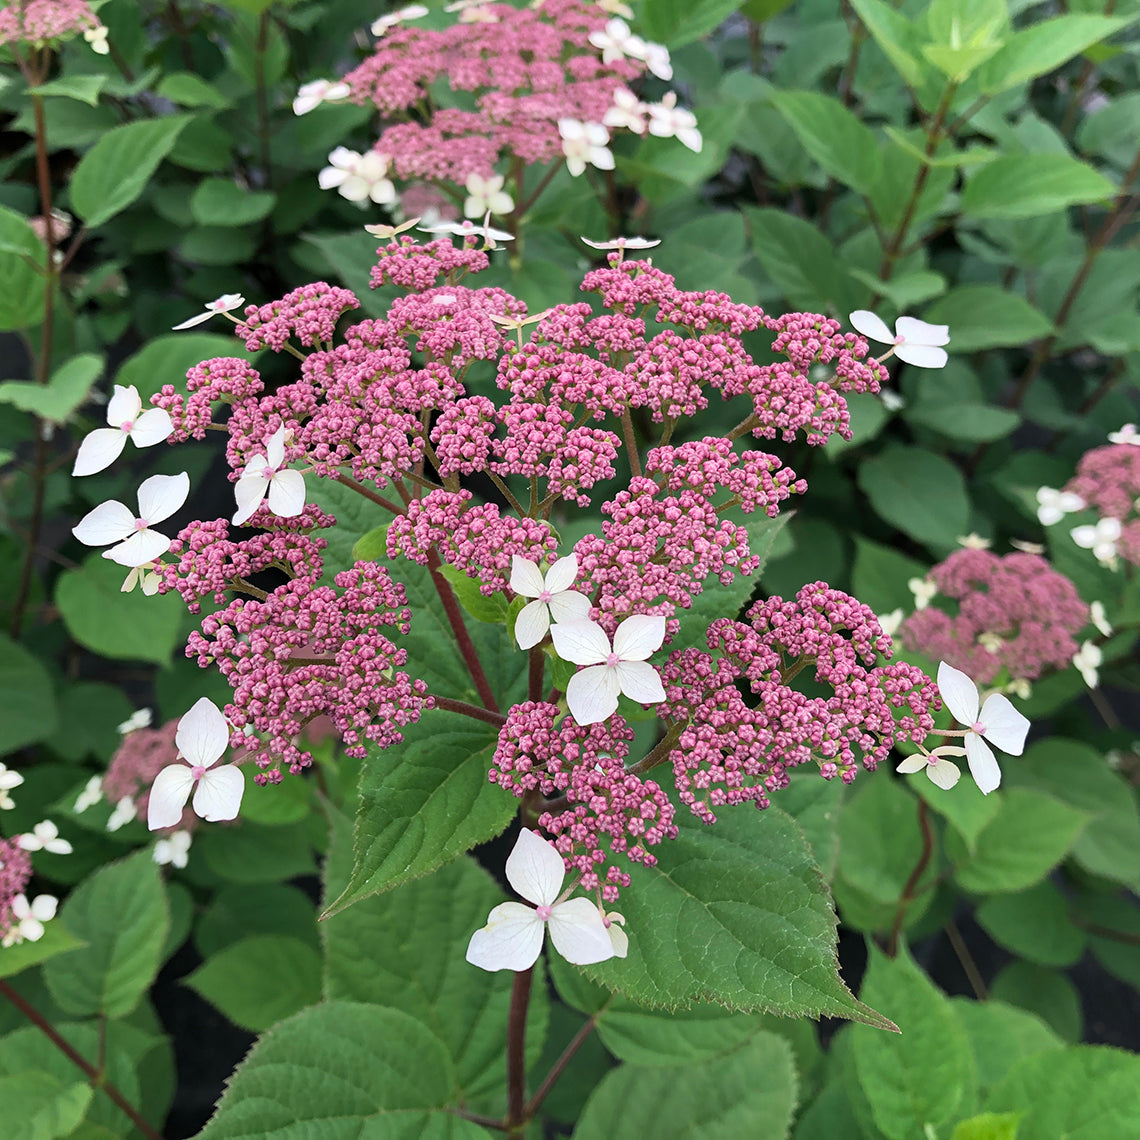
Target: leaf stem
point(516, 1051)
point(466, 709)
point(559, 1066)
point(908, 892)
point(361, 489)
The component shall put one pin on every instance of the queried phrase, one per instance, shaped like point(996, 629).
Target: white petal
point(161, 495)
point(107, 523)
point(511, 940)
point(914, 763)
point(99, 450)
point(922, 356)
point(983, 765)
point(640, 682)
point(562, 574)
point(219, 793)
point(1005, 726)
point(201, 318)
point(21, 909)
point(526, 578)
point(328, 179)
point(945, 774)
point(151, 427)
point(142, 547)
point(578, 932)
point(531, 624)
point(601, 158)
point(124, 406)
point(866, 322)
point(32, 929)
point(592, 693)
point(959, 693)
point(275, 448)
point(915, 331)
point(581, 642)
point(535, 869)
point(569, 606)
point(639, 637)
point(287, 494)
point(43, 907)
point(202, 734)
point(1083, 536)
point(168, 796)
point(618, 938)
point(249, 490)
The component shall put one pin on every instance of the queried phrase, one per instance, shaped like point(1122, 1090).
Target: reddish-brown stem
point(631, 444)
point(657, 754)
point(535, 668)
point(516, 1050)
point(908, 892)
point(559, 1067)
point(361, 489)
point(474, 711)
point(973, 974)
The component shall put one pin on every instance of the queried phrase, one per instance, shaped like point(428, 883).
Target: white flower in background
point(1020, 688)
point(991, 642)
point(8, 781)
point(97, 38)
point(974, 541)
point(613, 922)
point(592, 693)
point(92, 793)
point(1087, 661)
point(656, 58)
point(268, 473)
point(45, 837)
point(1053, 505)
point(410, 12)
point(624, 243)
point(923, 589)
point(997, 721)
point(627, 111)
point(1027, 547)
point(668, 121)
point(103, 446)
point(312, 95)
point(140, 719)
point(554, 601)
point(358, 177)
point(1100, 619)
point(172, 851)
point(224, 304)
point(616, 41)
point(486, 196)
point(889, 623)
point(943, 773)
point(202, 736)
point(136, 543)
point(144, 576)
point(125, 811)
point(1127, 434)
point(915, 341)
point(512, 938)
point(386, 233)
point(30, 918)
point(1100, 538)
point(467, 229)
point(472, 11)
point(892, 401)
point(585, 143)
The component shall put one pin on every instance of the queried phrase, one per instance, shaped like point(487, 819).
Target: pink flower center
point(545, 596)
point(612, 660)
point(197, 771)
point(141, 524)
point(126, 425)
point(543, 912)
point(978, 727)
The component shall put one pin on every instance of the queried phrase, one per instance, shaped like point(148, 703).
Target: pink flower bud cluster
point(540, 749)
point(224, 378)
point(732, 749)
point(140, 757)
point(309, 314)
point(39, 21)
point(1013, 612)
point(15, 874)
point(1108, 479)
point(416, 267)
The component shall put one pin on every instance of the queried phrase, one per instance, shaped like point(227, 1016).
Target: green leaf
point(988, 1126)
point(922, 1077)
point(27, 699)
point(751, 1091)
point(121, 913)
point(351, 256)
point(974, 423)
point(921, 493)
point(675, 23)
point(373, 546)
point(260, 980)
point(115, 171)
point(254, 853)
point(367, 1072)
point(167, 359)
point(880, 577)
point(22, 266)
point(1047, 993)
point(85, 88)
point(57, 939)
point(815, 805)
point(239, 911)
point(192, 90)
point(38, 1106)
point(217, 245)
point(483, 607)
point(222, 202)
point(1027, 838)
point(965, 806)
point(1001, 1035)
point(56, 400)
point(735, 914)
point(895, 35)
point(945, 155)
point(1043, 46)
point(1033, 924)
point(1028, 185)
point(986, 316)
point(113, 624)
point(423, 802)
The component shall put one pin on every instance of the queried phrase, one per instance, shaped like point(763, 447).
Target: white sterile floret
point(656, 58)
point(224, 304)
point(624, 243)
point(923, 589)
point(92, 793)
point(915, 342)
point(592, 693)
point(312, 95)
point(942, 773)
point(585, 143)
point(268, 473)
point(468, 229)
point(1100, 538)
point(554, 601)
point(142, 718)
point(627, 111)
point(667, 121)
point(889, 623)
point(45, 837)
point(616, 41)
point(136, 542)
point(30, 918)
point(997, 721)
point(97, 38)
point(486, 196)
point(512, 938)
point(616, 7)
point(173, 851)
point(8, 781)
point(202, 736)
point(1127, 434)
point(1027, 547)
point(125, 811)
point(613, 922)
point(410, 12)
point(973, 541)
point(1087, 661)
point(388, 232)
point(892, 401)
point(1053, 505)
point(358, 177)
point(144, 576)
point(103, 446)
point(1099, 618)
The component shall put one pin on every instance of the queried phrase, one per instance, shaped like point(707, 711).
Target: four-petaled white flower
point(1087, 660)
point(998, 722)
point(410, 12)
point(92, 793)
point(656, 58)
point(224, 304)
point(30, 918)
point(512, 938)
point(667, 121)
point(616, 41)
point(387, 232)
point(468, 228)
point(1100, 538)
point(1127, 434)
point(627, 111)
point(1099, 618)
point(159, 497)
point(1053, 505)
point(486, 196)
point(97, 38)
point(45, 837)
point(202, 736)
point(142, 718)
point(268, 472)
point(553, 598)
point(914, 341)
point(923, 589)
point(942, 773)
point(103, 446)
point(174, 850)
point(358, 177)
point(8, 781)
point(125, 811)
point(624, 243)
point(584, 143)
point(592, 693)
point(312, 95)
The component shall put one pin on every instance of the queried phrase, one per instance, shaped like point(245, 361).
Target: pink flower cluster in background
point(40, 21)
point(15, 874)
point(143, 753)
point(1108, 480)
